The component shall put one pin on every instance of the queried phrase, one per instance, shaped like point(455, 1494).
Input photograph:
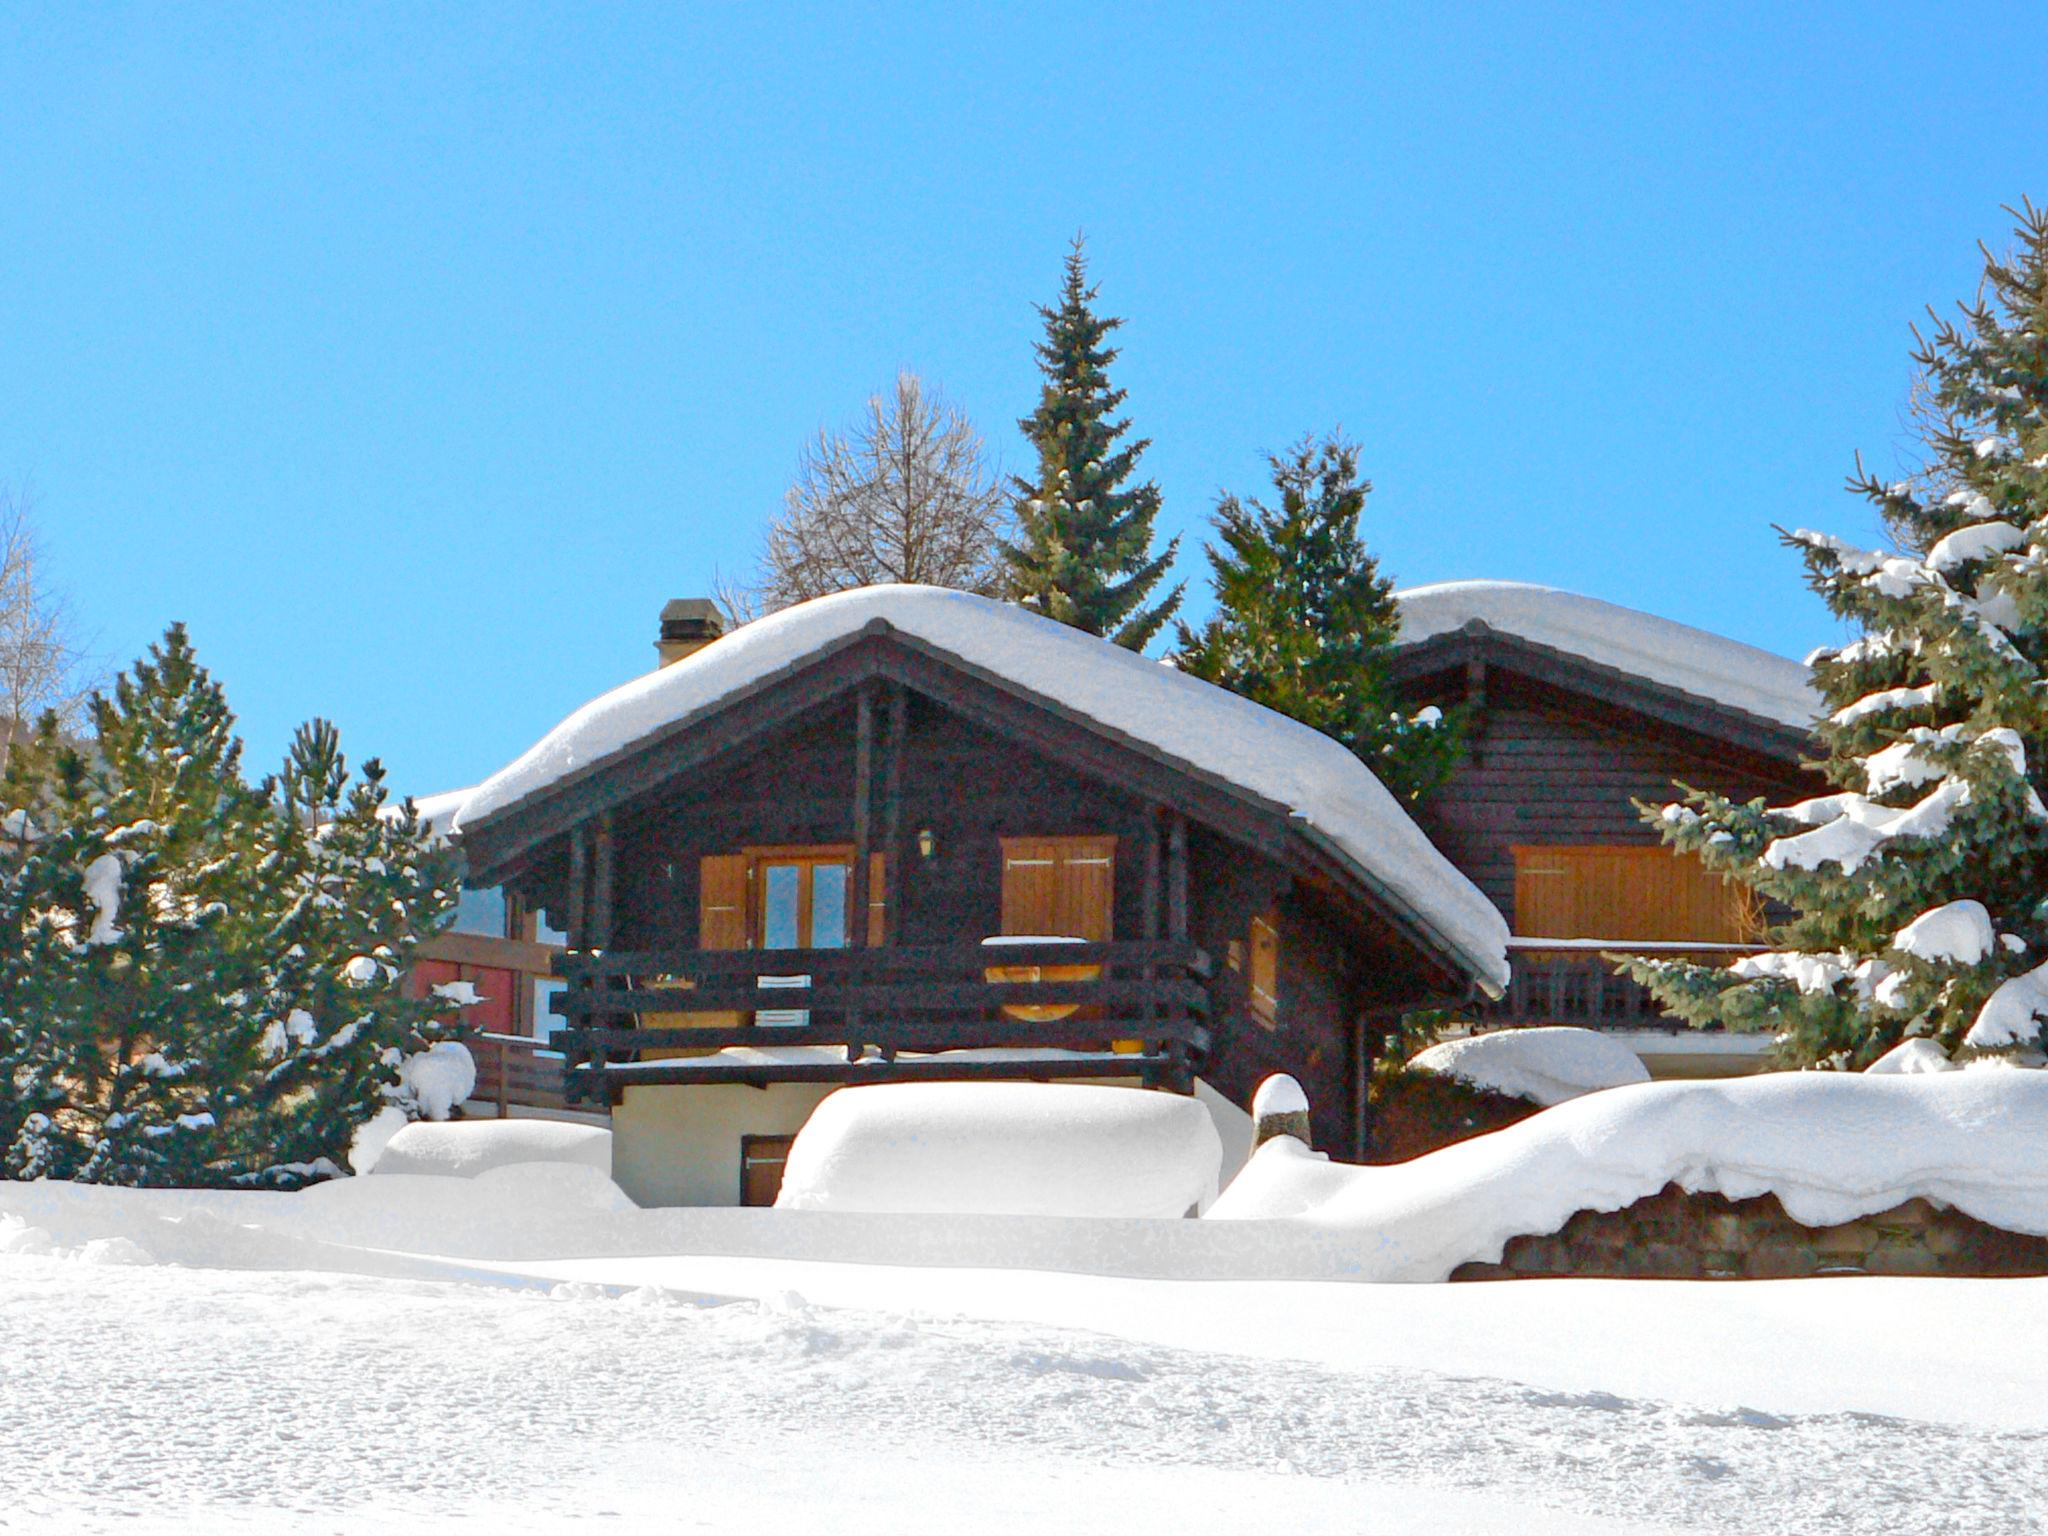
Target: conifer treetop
point(1083, 549)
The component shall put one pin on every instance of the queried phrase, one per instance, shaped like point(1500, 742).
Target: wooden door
point(762, 1159)
point(1060, 887)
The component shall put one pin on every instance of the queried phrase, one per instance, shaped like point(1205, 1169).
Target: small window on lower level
point(761, 1162)
point(1262, 971)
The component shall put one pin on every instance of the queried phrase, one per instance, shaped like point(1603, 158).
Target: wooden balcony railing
point(881, 1014)
point(517, 1071)
point(1571, 982)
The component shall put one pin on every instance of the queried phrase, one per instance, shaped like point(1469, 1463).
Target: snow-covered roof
point(1203, 727)
point(1711, 666)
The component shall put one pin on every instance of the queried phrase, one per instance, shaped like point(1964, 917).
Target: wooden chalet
point(904, 833)
point(1578, 709)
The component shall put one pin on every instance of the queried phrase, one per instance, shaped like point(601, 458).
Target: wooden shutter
point(878, 900)
point(1626, 892)
point(722, 901)
point(1064, 886)
point(1262, 979)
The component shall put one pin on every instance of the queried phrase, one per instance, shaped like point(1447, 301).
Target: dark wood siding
point(1545, 766)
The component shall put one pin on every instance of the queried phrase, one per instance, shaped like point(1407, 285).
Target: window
point(761, 1163)
point(481, 910)
point(1620, 893)
point(1060, 887)
point(1262, 971)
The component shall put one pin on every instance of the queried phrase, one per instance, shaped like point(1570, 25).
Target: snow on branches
point(1913, 898)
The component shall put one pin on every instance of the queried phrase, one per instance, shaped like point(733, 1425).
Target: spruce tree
point(1919, 888)
point(1083, 550)
point(1306, 624)
point(198, 977)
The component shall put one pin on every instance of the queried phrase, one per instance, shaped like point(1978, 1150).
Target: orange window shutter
point(1263, 979)
point(722, 901)
point(1626, 892)
point(1030, 885)
point(878, 900)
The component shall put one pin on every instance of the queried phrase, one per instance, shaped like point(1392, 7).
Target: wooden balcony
point(519, 1072)
point(1572, 982)
point(879, 1015)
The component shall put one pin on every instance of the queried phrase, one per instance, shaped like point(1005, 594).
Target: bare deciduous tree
point(41, 668)
point(908, 494)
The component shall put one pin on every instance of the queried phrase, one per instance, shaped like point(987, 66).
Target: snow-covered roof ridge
point(1696, 661)
point(1206, 728)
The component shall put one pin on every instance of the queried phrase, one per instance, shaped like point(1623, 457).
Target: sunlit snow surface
point(627, 1393)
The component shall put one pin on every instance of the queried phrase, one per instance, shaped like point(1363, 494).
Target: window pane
point(480, 911)
point(828, 906)
point(780, 890)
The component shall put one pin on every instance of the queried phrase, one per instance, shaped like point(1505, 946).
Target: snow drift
point(1831, 1146)
point(462, 1149)
point(1004, 1149)
point(1205, 728)
point(1546, 1066)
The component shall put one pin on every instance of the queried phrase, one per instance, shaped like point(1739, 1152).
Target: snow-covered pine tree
point(1920, 886)
point(1083, 550)
point(199, 982)
point(1306, 624)
point(127, 933)
point(358, 884)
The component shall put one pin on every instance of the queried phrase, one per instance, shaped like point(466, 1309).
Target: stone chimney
point(688, 624)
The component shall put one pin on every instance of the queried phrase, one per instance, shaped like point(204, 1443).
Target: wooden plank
point(579, 874)
point(1177, 877)
point(969, 959)
point(863, 805)
point(1061, 1034)
point(894, 855)
point(907, 997)
point(600, 1082)
point(603, 874)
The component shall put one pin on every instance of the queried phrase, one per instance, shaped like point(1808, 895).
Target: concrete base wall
point(681, 1146)
point(677, 1145)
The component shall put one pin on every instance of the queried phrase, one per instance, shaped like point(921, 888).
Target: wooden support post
point(1177, 877)
point(600, 935)
point(1363, 1038)
point(863, 832)
point(1149, 909)
point(895, 867)
point(579, 878)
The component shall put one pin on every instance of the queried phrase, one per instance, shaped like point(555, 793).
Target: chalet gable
point(1255, 776)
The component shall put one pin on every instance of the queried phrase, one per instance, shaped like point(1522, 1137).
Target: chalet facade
point(903, 833)
point(1577, 709)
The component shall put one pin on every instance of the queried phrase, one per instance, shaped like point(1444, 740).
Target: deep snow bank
point(1546, 1065)
point(1831, 1146)
point(1004, 1149)
point(462, 1149)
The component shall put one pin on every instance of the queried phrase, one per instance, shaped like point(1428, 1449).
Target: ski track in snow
point(143, 1398)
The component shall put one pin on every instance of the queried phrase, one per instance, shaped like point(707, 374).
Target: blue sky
point(414, 355)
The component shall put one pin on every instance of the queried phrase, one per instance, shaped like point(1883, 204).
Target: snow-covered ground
point(350, 1361)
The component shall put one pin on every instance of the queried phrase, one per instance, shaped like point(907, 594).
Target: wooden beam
point(1177, 877)
point(895, 861)
point(863, 803)
point(603, 876)
point(1149, 845)
point(579, 879)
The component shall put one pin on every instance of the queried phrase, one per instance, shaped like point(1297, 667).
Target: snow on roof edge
point(1724, 671)
point(1198, 725)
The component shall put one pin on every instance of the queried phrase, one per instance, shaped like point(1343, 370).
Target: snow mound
point(1910, 1056)
point(439, 1078)
point(1004, 1149)
point(1757, 682)
point(1205, 728)
point(462, 1149)
point(1279, 1094)
point(1832, 1146)
point(1546, 1065)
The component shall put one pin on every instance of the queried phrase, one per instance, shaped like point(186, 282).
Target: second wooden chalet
point(903, 832)
point(1578, 708)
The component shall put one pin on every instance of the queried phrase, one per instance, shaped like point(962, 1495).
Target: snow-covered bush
point(1545, 1066)
point(465, 1149)
point(201, 979)
point(1004, 1149)
point(1919, 882)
